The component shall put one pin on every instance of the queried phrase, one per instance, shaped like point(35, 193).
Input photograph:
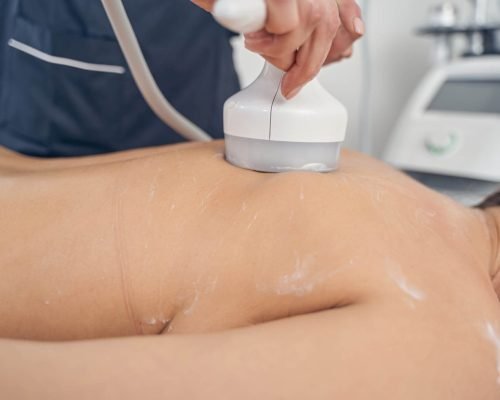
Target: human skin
point(355, 284)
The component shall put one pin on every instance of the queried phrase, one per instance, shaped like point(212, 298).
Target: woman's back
point(178, 240)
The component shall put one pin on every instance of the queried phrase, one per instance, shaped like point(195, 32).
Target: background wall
point(397, 59)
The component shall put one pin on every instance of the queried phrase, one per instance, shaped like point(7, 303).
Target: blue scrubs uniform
point(53, 110)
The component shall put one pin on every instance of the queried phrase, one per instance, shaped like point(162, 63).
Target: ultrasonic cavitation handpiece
point(266, 132)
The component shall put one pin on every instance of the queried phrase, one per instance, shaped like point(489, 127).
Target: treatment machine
point(448, 137)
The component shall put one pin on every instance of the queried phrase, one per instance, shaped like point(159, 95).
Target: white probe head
point(266, 132)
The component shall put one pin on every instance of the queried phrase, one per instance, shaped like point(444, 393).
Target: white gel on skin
point(395, 273)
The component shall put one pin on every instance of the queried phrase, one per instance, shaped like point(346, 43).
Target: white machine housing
point(433, 135)
point(261, 112)
point(268, 133)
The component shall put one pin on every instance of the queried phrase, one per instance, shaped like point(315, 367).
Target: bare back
point(175, 240)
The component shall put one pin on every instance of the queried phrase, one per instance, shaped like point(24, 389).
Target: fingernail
point(359, 26)
point(293, 93)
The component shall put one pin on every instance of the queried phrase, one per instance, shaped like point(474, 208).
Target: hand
point(351, 29)
point(301, 36)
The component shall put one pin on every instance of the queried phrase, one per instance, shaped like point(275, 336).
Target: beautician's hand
point(302, 35)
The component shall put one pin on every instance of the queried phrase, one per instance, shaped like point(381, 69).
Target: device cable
point(142, 75)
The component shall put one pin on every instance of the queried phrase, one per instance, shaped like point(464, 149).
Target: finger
point(207, 5)
point(283, 63)
point(343, 42)
point(347, 53)
point(308, 62)
point(280, 50)
point(258, 35)
point(280, 46)
point(350, 15)
point(282, 16)
point(256, 42)
point(333, 58)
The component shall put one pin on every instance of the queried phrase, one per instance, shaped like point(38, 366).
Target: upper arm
point(367, 351)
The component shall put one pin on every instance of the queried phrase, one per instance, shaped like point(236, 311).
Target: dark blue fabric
point(50, 110)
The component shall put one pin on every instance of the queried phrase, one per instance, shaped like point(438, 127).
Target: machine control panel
point(451, 125)
point(441, 143)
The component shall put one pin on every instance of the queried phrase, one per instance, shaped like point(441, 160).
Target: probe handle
point(242, 16)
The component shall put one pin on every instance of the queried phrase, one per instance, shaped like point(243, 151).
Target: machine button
point(441, 143)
